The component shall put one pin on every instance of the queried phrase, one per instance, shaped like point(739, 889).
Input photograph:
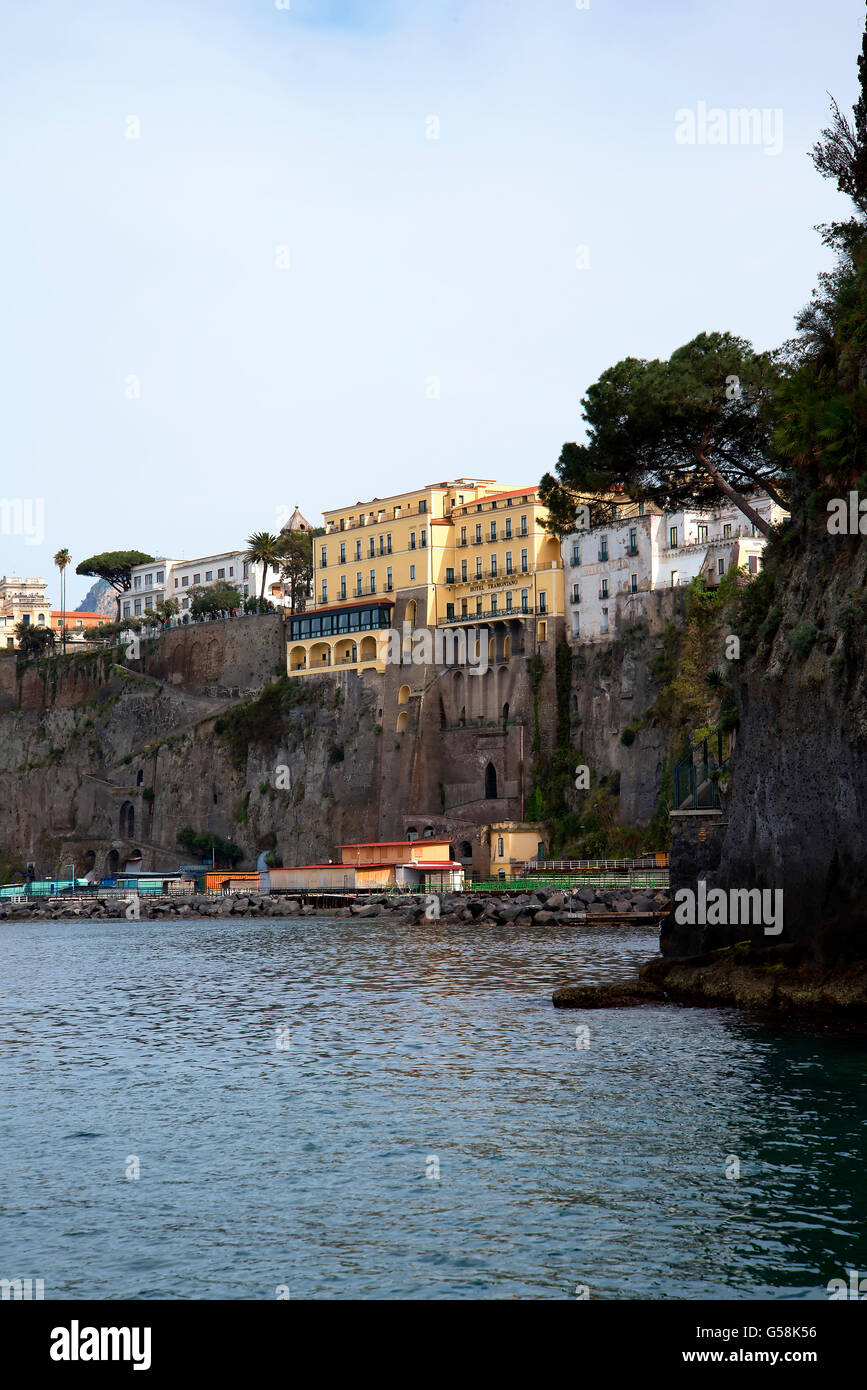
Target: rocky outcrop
point(796, 811)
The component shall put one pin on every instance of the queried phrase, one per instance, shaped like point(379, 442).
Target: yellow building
point(450, 553)
point(513, 844)
point(22, 600)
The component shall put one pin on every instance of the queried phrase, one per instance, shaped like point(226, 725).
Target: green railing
point(697, 777)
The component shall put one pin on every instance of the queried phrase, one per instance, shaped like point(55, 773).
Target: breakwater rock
point(781, 979)
point(541, 907)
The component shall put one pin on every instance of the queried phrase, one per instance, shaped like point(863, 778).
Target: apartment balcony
point(602, 555)
point(495, 613)
point(631, 550)
point(477, 540)
point(461, 543)
point(575, 562)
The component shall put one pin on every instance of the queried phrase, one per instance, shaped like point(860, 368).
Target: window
point(463, 608)
point(478, 567)
point(509, 601)
point(221, 574)
point(463, 571)
point(373, 581)
point(197, 578)
point(423, 539)
point(325, 591)
point(41, 621)
point(576, 553)
point(674, 579)
point(633, 540)
point(576, 594)
point(672, 538)
point(422, 506)
point(185, 581)
point(493, 530)
point(323, 557)
point(754, 564)
point(137, 606)
point(727, 530)
point(509, 524)
point(358, 550)
point(412, 571)
point(450, 611)
point(543, 601)
point(161, 576)
point(721, 567)
point(603, 626)
point(382, 545)
point(501, 849)
point(136, 583)
point(523, 526)
point(524, 566)
point(388, 543)
point(177, 581)
point(389, 583)
point(358, 585)
point(633, 583)
point(641, 509)
point(542, 632)
point(149, 581)
point(371, 548)
point(450, 575)
point(493, 566)
point(395, 513)
point(127, 609)
point(463, 535)
point(343, 552)
point(343, 586)
point(702, 533)
point(613, 511)
point(232, 571)
point(603, 547)
point(508, 562)
point(525, 594)
point(478, 533)
point(209, 574)
point(412, 540)
point(149, 603)
point(603, 588)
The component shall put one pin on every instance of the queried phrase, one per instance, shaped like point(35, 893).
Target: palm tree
point(263, 549)
point(61, 560)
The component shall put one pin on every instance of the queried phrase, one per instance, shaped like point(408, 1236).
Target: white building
point(166, 578)
point(608, 569)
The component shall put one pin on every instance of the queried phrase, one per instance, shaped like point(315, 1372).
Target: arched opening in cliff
point(112, 863)
point(403, 695)
point(401, 722)
point(490, 782)
point(466, 850)
point(127, 821)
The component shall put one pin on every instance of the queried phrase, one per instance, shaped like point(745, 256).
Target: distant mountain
point(100, 598)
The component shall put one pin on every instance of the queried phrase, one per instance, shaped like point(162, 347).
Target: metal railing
point(697, 777)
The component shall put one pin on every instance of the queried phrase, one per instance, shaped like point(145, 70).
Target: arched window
point(401, 722)
point(428, 832)
point(127, 820)
point(490, 782)
point(411, 832)
point(113, 861)
point(403, 695)
point(501, 848)
point(466, 850)
point(139, 778)
point(410, 612)
point(505, 711)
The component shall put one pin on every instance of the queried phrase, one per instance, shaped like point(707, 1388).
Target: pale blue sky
point(410, 258)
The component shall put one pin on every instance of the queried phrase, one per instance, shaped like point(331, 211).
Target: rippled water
point(307, 1165)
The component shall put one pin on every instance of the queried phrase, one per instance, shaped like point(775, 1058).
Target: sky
point(256, 256)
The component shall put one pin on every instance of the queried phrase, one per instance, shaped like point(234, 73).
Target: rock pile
point(542, 907)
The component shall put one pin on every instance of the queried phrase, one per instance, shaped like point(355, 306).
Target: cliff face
point(796, 811)
point(102, 755)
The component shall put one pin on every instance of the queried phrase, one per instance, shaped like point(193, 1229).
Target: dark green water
point(410, 1051)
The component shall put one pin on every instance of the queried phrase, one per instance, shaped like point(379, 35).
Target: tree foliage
point(34, 641)
point(681, 433)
